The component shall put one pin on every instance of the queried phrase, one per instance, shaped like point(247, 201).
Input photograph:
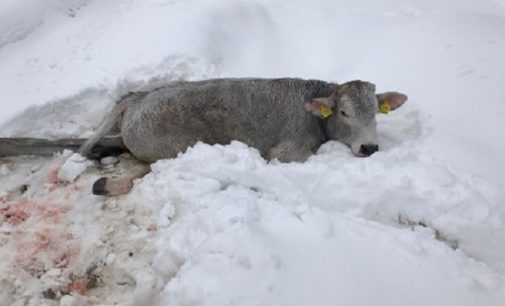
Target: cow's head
point(349, 114)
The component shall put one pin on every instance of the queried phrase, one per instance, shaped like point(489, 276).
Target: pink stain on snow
point(16, 213)
point(38, 234)
point(80, 287)
point(52, 178)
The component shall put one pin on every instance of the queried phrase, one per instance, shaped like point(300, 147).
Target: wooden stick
point(44, 147)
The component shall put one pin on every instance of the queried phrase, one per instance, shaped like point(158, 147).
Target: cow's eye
point(344, 114)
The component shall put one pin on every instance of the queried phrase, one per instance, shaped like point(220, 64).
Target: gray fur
point(267, 114)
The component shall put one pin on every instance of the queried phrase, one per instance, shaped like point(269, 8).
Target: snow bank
point(294, 234)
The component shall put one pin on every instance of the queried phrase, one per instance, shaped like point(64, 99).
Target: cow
point(286, 119)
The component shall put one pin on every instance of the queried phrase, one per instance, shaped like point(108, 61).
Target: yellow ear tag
point(385, 108)
point(325, 110)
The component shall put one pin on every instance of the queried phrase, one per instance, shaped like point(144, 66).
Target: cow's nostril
point(368, 149)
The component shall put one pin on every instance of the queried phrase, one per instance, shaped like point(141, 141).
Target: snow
point(73, 166)
point(242, 219)
point(420, 222)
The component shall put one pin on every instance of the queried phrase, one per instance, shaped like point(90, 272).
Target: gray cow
point(287, 119)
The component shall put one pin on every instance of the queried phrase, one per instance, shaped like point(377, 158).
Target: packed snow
point(422, 222)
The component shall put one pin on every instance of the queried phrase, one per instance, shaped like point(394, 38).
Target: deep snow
point(421, 222)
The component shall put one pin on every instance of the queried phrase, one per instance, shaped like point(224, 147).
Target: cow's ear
point(389, 101)
point(321, 107)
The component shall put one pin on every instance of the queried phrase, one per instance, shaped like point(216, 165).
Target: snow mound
point(240, 222)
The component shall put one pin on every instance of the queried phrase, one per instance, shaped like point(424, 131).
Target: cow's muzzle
point(368, 149)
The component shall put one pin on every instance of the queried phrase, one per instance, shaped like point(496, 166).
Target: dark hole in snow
point(23, 188)
point(49, 294)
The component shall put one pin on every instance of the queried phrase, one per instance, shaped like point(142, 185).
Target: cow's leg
point(290, 151)
point(114, 186)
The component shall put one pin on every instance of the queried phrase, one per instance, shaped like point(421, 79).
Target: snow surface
point(420, 222)
point(73, 167)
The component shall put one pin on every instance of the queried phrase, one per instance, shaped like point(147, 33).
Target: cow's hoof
point(99, 186)
point(112, 187)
